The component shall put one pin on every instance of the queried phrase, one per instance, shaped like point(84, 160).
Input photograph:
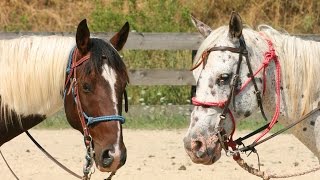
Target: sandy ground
point(152, 155)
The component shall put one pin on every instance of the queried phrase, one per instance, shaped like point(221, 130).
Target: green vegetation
point(151, 121)
point(58, 121)
point(156, 117)
point(149, 18)
point(251, 124)
point(138, 117)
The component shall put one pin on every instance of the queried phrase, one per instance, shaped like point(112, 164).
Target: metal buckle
point(235, 79)
point(230, 153)
point(222, 116)
point(87, 140)
point(257, 92)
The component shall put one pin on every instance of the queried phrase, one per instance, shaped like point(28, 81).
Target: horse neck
point(41, 64)
point(299, 74)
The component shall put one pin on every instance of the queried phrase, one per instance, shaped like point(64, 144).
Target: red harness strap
point(76, 63)
point(268, 57)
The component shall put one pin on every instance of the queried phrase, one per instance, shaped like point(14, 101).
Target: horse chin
point(101, 169)
point(216, 154)
point(112, 168)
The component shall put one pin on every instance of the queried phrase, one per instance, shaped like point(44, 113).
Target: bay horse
point(41, 74)
point(239, 70)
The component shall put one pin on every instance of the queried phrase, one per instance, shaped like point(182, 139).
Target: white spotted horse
point(239, 71)
point(41, 74)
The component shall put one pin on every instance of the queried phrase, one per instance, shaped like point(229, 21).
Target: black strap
point(257, 92)
point(52, 158)
point(12, 172)
point(254, 144)
point(240, 139)
point(243, 51)
point(126, 105)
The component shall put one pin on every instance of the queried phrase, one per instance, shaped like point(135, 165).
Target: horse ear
point(204, 29)
point(119, 39)
point(83, 37)
point(235, 25)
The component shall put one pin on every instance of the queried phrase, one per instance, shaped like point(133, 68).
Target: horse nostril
point(107, 159)
point(197, 145)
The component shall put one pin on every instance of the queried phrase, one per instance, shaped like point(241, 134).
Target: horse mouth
point(110, 163)
point(211, 155)
point(214, 155)
point(102, 169)
point(111, 168)
point(217, 153)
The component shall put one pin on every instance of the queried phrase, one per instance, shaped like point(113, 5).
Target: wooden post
point(193, 87)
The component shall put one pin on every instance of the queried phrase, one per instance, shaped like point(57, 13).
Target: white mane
point(299, 59)
point(32, 73)
point(300, 63)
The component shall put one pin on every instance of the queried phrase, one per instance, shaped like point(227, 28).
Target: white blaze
point(111, 77)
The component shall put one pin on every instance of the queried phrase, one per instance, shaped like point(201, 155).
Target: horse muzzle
point(111, 159)
point(203, 149)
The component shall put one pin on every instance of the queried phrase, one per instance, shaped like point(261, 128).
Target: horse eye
point(103, 57)
point(86, 87)
point(223, 79)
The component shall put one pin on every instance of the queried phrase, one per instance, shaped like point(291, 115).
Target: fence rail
point(146, 41)
point(151, 41)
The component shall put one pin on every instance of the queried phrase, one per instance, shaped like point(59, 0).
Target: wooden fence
point(152, 41)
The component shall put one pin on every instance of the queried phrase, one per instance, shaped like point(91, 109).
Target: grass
point(159, 122)
point(155, 117)
point(251, 124)
point(58, 121)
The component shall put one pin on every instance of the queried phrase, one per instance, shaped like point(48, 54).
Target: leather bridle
point(71, 84)
point(225, 140)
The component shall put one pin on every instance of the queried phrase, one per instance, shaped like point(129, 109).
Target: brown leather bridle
point(71, 84)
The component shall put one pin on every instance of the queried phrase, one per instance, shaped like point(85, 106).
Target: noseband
point(242, 51)
point(86, 121)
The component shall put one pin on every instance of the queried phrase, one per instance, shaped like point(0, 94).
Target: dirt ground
point(152, 155)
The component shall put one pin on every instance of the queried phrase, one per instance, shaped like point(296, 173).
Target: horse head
point(94, 91)
point(226, 88)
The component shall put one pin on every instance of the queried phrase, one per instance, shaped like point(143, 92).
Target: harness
point(85, 119)
point(225, 140)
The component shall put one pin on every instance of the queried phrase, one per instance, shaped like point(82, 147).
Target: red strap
point(271, 55)
point(73, 72)
point(75, 63)
point(199, 103)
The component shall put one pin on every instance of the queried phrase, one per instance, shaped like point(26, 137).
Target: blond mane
point(32, 74)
